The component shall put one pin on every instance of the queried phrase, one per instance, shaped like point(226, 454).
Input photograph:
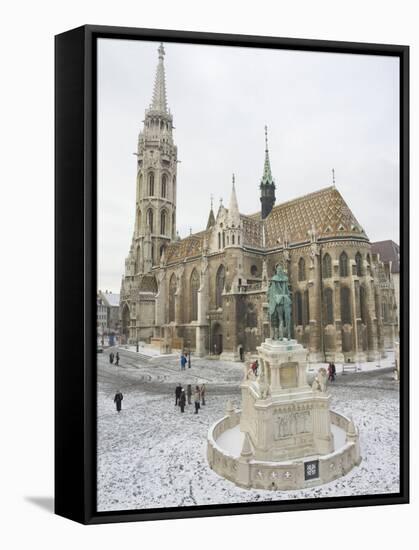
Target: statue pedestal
point(282, 415)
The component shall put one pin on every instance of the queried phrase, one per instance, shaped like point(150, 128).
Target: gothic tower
point(267, 185)
point(155, 219)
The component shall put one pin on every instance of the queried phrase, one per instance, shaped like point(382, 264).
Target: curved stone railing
point(249, 473)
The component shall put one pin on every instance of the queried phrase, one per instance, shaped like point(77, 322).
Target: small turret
point(233, 231)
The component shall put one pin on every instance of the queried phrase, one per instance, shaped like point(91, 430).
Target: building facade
point(208, 291)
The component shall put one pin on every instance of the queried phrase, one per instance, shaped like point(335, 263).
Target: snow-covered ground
point(150, 455)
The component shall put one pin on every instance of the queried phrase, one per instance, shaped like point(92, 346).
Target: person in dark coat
point(330, 373)
point(117, 400)
point(117, 359)
point(189, 393)
point(189, 360)
point(183, 362)
point(178, 391)
point(333, 371)
point(111, 356)
point(197, 399)
point(182, 401)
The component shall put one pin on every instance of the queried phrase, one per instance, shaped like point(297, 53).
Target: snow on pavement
point(150, 455)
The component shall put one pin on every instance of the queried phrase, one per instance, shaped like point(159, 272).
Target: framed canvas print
point(231, 274)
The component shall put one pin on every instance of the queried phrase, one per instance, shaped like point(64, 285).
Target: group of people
point(181, 395)
point(331, 372)
point(113, 357)
point(184, 360)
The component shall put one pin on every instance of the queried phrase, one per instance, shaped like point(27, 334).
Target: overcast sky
point(323, 111)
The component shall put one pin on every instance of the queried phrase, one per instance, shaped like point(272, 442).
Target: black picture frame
point(75, 272)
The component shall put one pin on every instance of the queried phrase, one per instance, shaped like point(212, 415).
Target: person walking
point(333, 371)
point(189, 360)
point(117, 358)
point(183, 361)
point(330, 372)
point(111, 356)
point(182, 401)
point(117, 400)
point(178, 391)
point(197, 399)
point(189, 393)
point(202, 391)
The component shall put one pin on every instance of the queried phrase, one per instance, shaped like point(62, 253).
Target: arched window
point(238, 239)
point(161, 250)
point(194, 285)
point(173, 223)
point(140, 185)
point(219, 286)
point(327, 266)
point(219, 240)
point(150, 219)
point(164, 186)
point(139, 221)
point(224, 239)
point(172, 292)
point(298, 308)
point(163, 218)
point(306, 315)
point(232, 239)
point(301, 269)
point(363, 304)
point(328, 303)
point(358, 264)
point(345, 305)
point(151, 183)
point(153, 255)
point(343, 265)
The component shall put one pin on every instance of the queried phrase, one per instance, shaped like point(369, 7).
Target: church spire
point(211, 217)
point(233, 207)
point(267, 173)
point(267, 184)
point(159, 101)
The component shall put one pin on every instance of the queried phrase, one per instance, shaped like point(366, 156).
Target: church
point(207, 292)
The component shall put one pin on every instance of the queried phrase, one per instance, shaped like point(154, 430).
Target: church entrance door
point(217, 339)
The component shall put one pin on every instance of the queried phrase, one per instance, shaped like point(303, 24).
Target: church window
point(228, 240)
point(164, 186)
point(150, 219)
point(163, 218)
point(363, 304)
point(232, 239)
point(139, 221)
point(358, 264)
point(328, 299)
point(219, 240)
point(298, 308)
point(219, 286)
point(224, 239)
point(343, 265)
point(306, 316)
point(327, 266)
point(194, 283)
point(254, 270)
point(151, 184)
point(345, 305)
point(301, 269)
point(238, 239)
point(172, 292)
point(152, 254)
point(161, 250)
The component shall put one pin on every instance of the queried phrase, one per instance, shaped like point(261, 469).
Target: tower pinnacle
point(267, 184)
point(159, 101)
